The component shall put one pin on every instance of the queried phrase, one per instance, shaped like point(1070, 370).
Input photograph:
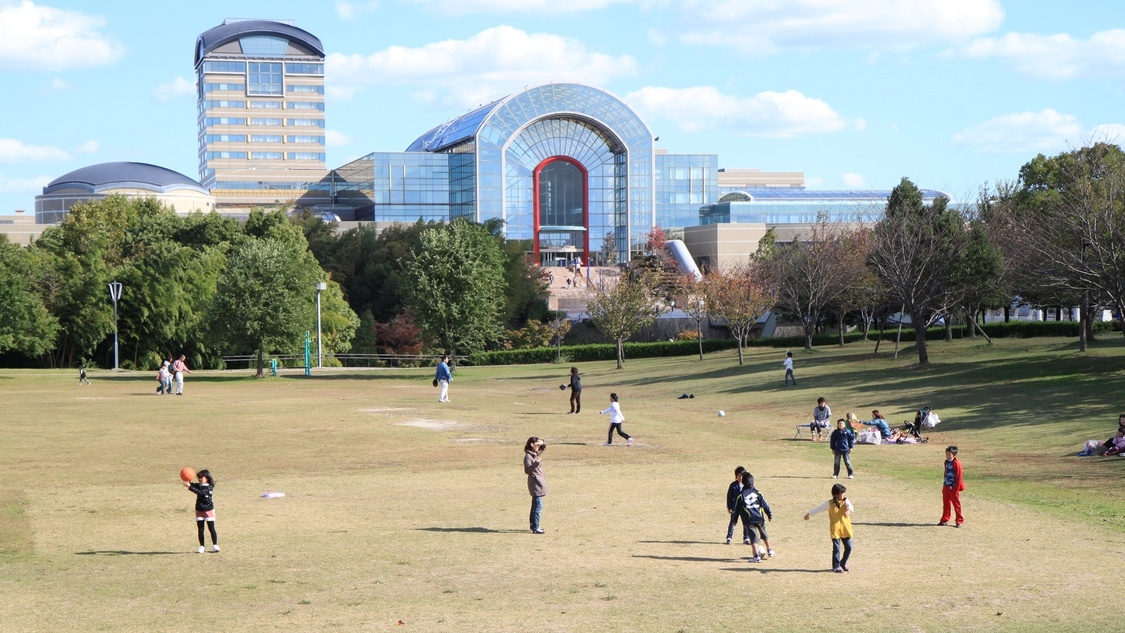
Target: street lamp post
point(320, 286)
point(115, 294)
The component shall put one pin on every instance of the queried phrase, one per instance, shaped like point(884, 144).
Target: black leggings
point(210, 526)
point(609, 438)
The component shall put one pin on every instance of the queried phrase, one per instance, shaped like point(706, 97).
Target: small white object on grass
point(722, 414)
point(272, 495)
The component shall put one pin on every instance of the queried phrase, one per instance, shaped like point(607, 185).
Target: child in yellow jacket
point(839, 526)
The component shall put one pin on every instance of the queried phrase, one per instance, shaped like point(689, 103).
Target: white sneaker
point(833, 476)
point(629, 442)
point(770, 552)
point(851, 476)
point(607, 444)
point(214, 548)
point(728, 541)
point(200, 550)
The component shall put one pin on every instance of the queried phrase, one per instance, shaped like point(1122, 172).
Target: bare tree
point(739, 296)
point(915, 248)
point(620, 308)
point(807, 275)
point(696, 306)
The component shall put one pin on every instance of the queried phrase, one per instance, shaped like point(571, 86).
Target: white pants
point(444, 397)
point(179, 382)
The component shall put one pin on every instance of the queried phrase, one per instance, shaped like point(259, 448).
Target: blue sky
point(954, 94)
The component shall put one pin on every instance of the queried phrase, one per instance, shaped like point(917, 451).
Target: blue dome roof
point(102, 176)
point(216, 37)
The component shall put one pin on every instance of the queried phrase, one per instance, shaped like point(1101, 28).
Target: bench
point(803, 426)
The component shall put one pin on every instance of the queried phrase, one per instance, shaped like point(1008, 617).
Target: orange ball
point(187, 474)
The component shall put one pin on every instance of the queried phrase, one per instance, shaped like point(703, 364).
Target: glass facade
point(799, 206)
point(395, 186)
point(684, 183)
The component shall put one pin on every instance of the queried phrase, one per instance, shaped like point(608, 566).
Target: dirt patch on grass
point(433, 425)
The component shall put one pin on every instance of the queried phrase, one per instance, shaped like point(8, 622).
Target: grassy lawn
point(401, 509)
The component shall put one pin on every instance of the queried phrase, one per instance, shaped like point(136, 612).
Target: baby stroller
point(925, 418)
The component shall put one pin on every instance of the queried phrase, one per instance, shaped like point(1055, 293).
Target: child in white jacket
point(615, 420)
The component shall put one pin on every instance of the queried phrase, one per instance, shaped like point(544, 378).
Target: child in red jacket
point(951, 488)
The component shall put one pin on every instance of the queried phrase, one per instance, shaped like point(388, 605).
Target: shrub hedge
point(608, 351)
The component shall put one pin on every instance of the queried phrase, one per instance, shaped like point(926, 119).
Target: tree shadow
point(773, 570)
point(873, 524)
point(121, 552)
point(682, 542)
point(689, 559)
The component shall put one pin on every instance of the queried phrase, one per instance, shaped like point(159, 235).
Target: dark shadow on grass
point(772, 570)
point(470, 530)
point(896, 524)
point(689, 559)
point(121, 552)
point(684, 542)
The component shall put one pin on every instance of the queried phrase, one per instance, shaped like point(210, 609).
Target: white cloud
point(1023, 132)
point(1058, 56)
point(336, 139)
point(1109, 132)
point(350, 10)
point(23, 185)
point(178, 87)
point(490, 64)
point(769, 114)
point(89, 147)
point(13, 151)
point(34, 37)
point(854, 181)
point(767, 26)
point(461, 7)
point(56, 85)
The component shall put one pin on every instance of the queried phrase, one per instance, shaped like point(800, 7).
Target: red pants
point(950, 496)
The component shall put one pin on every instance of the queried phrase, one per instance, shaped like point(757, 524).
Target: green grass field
point(398, 509)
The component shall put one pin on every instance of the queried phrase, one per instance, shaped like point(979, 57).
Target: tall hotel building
point(261, 113)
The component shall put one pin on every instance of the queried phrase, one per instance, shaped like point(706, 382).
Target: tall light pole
point(320, 286)
point(115, 294)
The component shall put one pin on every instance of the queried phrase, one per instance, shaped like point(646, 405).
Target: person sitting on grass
point(880, 422)
point(1109, 443)
point(1118, 445)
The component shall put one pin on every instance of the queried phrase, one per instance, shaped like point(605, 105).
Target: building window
point(562, 198)
point(223, 120)
point(305, 122)
point(231, 87)
point(304, 105)
point(319, 140)
point(310, 89)
point(224, 67)
point(265, 78)
point(207, 105)
point(263, 46)
point(306, 156)
point(304, 69)
point(268, 105)
point(265, 138)
point(217, 155)
point(224, 138)
point(265, 155)
point(265, 121)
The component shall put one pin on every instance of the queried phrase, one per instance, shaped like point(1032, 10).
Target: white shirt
point(614, 411)
point(824, 506)
point(788, 363)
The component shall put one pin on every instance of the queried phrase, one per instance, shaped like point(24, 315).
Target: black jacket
point(733, 493)
point(841, 440)
point(203, 501)
point(576, 383)
point(753, 504)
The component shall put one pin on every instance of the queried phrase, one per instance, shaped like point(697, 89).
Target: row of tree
point(1056, 237)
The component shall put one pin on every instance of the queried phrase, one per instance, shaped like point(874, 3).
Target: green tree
point(914, 251)
point(265, 298)
point(621, 308)
point(25, 324)
point(457, 287)
point(739, 296)
point(338, 322)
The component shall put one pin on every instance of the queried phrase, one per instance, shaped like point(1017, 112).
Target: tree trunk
point(1091, 321)
point(971, 322)
point(898, 335)
point(620, 353)
point(261, 370)
point(840, 327)
point(739, 337)
point(699, 337)
point(920, 340)
point(1082, 343)
point(948, 328)
point(879, 340)
point(866, 323)
point(973, 325)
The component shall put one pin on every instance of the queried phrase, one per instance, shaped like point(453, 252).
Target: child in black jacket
point(752, 507)
point(204, 507)
point(734, 491)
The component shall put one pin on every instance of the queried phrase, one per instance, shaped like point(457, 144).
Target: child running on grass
point(839, 526)
point(788, 363)
point(615, 420)
point(204, 507)
point(755, 511)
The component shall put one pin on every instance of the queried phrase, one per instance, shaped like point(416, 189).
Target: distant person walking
point(575, 391)
point(616, 418)
point(536, 483)
point(180, 368)
point(444, 376)
point(951, 487)
point(82, 375)
point(788, 363)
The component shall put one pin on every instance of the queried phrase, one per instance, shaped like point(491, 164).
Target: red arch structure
point(585, 203)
